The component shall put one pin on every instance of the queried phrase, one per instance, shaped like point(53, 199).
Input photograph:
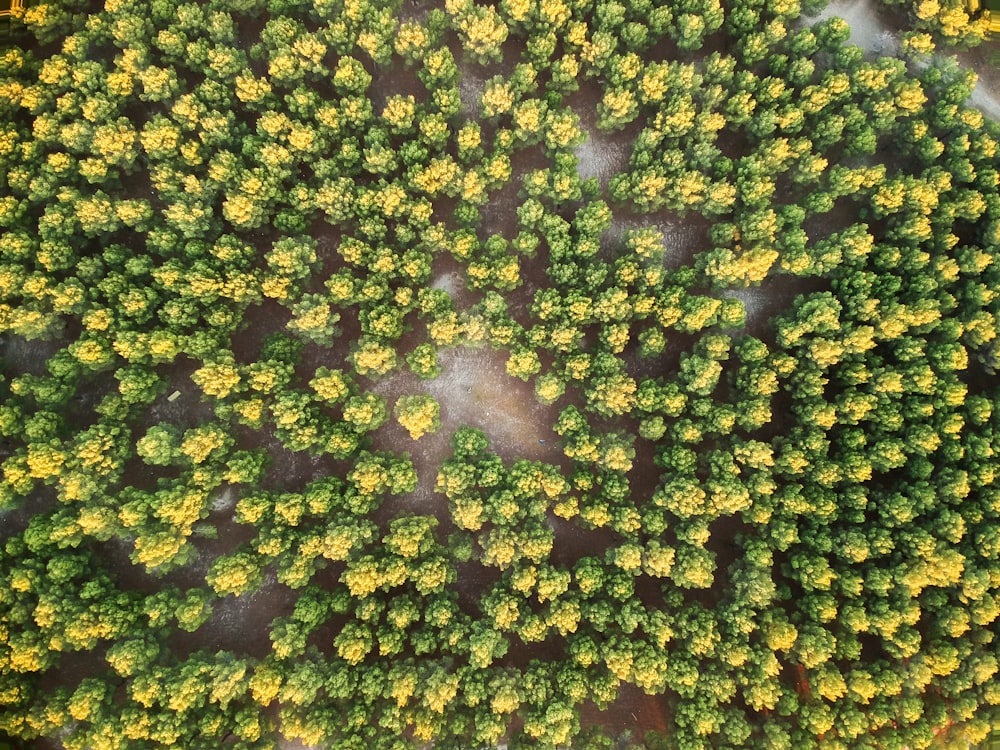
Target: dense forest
point(379, 373)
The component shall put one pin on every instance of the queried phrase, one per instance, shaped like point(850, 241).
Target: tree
point(423, 361)
point(372, 356)
point(160, 445)
point(314, 319)
point(694, 567)
point(418, 415)
point(856, 444)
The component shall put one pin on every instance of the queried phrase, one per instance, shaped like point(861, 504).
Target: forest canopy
point(377, 373)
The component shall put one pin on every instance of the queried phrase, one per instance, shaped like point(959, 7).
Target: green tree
point(418, 415)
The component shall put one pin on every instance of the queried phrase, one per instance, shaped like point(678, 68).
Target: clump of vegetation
point(418, 415)
point(947, 21)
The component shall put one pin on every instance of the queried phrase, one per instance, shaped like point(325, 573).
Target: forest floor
point(473, 390)
point(877, 30)
point(873, 27)
point(984, 60)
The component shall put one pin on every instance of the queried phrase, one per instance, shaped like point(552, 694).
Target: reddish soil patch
point(632, 714)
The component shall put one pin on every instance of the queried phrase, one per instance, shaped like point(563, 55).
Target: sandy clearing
point(449, 282)
point(473, 390)
point(985, 99)
point(868, 30)
point(602, 156)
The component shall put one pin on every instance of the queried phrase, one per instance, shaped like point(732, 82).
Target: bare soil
point(873, 27)
point(473, 390)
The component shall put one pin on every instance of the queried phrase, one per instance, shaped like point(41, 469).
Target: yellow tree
point(419, 415)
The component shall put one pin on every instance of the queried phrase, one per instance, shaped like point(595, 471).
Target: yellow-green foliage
point(418, 415)
point(728, 293)
point(950, 22)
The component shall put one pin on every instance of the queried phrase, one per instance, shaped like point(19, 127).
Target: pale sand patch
point(985, 99)
point(449, 282)
point(473, 390)
point(224, 500)
point(602, 156)
point(868, 31)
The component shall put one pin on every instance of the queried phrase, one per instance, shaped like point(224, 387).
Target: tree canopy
point(733, 281)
